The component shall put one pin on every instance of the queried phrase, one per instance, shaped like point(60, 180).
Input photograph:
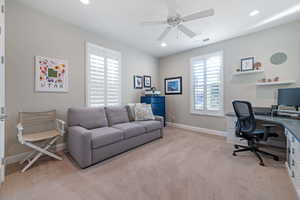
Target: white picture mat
point(38, 87)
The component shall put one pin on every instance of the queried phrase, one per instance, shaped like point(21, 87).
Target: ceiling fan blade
point(199, 15)
point(186, 31)
point(172, 7)
point(165, 33)
point(153, 23)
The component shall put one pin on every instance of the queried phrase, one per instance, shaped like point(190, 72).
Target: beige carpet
point(181, 166)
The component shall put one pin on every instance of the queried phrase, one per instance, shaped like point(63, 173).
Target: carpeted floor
point(181, 166)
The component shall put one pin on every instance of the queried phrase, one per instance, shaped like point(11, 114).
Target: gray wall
point(262, 45)
point(30, 33)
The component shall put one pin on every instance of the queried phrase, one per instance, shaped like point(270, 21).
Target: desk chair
point(246, 129)
point(35, 123)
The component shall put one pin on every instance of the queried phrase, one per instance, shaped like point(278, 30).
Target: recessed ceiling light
point(253, 13)
point(85, 2)
point(163, 44)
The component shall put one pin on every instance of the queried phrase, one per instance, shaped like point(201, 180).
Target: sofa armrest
point(79, 145)
point(159, 118)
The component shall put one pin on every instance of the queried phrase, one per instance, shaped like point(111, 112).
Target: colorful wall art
point(51, 74)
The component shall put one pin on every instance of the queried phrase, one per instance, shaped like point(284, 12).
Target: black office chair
point(246, 129)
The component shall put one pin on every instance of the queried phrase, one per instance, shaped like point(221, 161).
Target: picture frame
point(247, 64)
point(137, 82)
point(173, 86)
point(51, 74)
point(147, 81)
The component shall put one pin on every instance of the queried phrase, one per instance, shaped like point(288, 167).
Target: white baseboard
point(197, 129)
point(18, 157)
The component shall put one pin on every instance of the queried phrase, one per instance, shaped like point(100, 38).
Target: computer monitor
point(289, 97)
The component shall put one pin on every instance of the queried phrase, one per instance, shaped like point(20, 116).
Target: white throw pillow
point(143, 112)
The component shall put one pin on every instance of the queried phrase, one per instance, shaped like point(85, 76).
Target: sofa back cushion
point(88, 118)
point(117, 115)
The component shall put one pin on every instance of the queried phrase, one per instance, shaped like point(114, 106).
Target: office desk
point(292, 132)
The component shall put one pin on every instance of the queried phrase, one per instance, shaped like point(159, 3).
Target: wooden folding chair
point(33, 121)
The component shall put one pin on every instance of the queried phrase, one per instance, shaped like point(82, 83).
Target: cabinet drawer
point(158, 100)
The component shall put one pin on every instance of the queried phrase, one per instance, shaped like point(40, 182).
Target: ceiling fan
point(175, 20)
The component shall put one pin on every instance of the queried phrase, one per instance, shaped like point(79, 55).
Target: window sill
point(208, 114)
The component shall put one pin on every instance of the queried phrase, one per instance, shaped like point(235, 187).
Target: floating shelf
point(248, 72)
point(276, 83)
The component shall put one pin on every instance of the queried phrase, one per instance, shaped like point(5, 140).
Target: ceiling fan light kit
point(175, 20)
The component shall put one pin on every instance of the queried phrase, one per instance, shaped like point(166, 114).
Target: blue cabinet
point(158, 105)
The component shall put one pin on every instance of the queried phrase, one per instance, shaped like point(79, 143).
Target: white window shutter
point(103, 76)
point(207, 84)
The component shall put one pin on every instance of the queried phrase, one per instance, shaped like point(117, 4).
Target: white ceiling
point(120, 19)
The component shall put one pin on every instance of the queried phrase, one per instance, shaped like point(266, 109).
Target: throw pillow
point(143, 112)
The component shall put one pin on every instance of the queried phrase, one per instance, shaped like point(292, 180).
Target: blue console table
point(158, 105)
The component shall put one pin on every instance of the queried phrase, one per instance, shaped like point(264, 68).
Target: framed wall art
point(147, 81)
point(173, 85)
point(51, 74)
point(137, 82)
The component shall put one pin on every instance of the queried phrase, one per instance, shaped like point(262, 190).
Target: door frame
point(2, 91)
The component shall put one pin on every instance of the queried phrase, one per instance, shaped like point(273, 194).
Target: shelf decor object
point(247, 64)
point(273, 83)
point(248, 72)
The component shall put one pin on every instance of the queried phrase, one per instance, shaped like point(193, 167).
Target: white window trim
point(87, 70)
point(207, 113)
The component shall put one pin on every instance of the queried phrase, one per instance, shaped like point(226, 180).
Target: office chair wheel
point(233, 153)
point(236, 146)
point(262, 164)
point(276, 158)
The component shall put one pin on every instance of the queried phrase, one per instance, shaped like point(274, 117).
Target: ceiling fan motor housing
point(174, 21)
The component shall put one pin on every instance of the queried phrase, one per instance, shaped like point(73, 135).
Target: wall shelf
point(248, 72)
point(276, 83)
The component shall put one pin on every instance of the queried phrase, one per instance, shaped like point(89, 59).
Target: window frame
point(206, 112)
point(87, 71)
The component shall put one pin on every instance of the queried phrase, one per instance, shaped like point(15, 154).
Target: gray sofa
point(95, 134)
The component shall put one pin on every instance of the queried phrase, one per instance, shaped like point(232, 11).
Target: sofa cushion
point(105, 136)
point(150, 125)
point(117, 115)
point(88, 118)
point(143, 112)
point(130, 129)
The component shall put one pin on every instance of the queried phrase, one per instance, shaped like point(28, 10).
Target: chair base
point(256, 151)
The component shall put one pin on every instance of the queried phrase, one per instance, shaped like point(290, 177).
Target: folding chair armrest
point(60, 125)
point(80, 145)
point(20, 132)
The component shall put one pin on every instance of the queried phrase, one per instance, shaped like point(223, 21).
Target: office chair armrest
point(267, 130)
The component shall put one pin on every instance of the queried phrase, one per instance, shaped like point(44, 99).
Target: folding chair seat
point(35, 137)
point(32, 120)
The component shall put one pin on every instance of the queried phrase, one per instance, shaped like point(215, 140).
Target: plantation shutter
point(207, 84)
point(103, 76)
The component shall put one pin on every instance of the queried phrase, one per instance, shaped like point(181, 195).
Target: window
point(207, 84)
point(103, 76)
